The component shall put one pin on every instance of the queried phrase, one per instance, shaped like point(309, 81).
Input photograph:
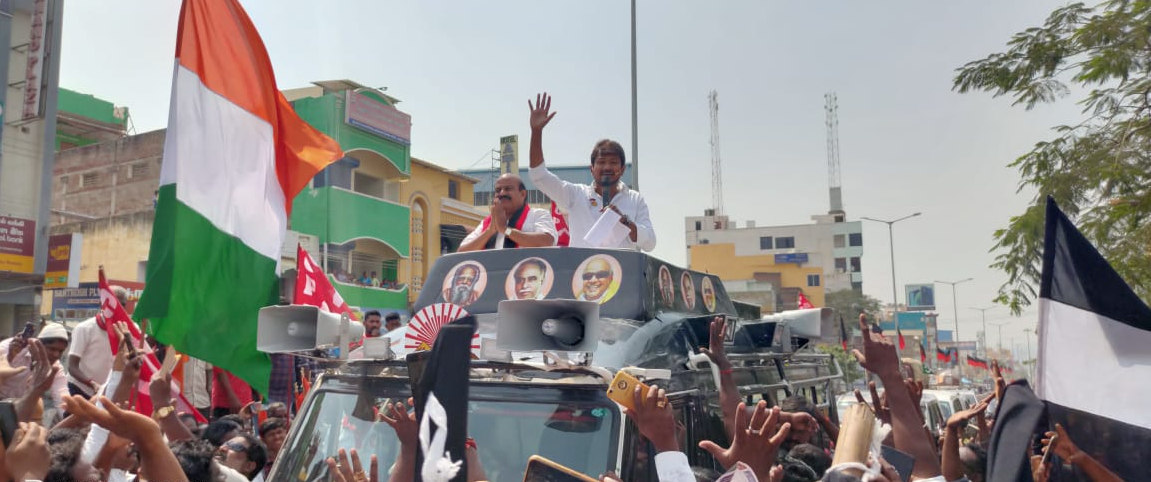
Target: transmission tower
point(716, 163)
point(834, 188)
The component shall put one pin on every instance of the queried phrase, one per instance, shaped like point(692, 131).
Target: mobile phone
point(29, 330)
point(1050, 449)
point(543, 470)
point(902, 461)
point(8, 421)
point(622, 389)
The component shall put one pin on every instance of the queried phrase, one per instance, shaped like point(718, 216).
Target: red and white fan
point(425, 326)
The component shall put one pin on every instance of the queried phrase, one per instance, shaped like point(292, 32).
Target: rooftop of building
point(85, 118)
point(437, 167)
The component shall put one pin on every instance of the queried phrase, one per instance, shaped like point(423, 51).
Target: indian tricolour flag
point(234, 157)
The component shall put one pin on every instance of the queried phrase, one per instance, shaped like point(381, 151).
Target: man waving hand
point(583, 204)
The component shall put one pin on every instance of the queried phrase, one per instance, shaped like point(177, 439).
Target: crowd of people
point(365, 279)
point(102, 438)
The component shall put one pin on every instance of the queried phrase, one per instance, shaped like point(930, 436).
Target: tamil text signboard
point(17, 244)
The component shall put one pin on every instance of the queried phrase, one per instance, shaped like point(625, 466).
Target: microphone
point(605, 189)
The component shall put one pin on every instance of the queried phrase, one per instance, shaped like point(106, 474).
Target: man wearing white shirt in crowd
point(512, 223)
point(583, 204)
point(90, 358)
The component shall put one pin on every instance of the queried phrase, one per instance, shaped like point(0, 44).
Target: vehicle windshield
point(577, 435)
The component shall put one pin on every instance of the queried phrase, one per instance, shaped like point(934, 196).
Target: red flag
point(562, 233)
point(922, 353)
point(313, 287)
point(943, 356)
point(112, 312)
point(975, 362)
point(902, 344)
point(804, 304)
point(305, 386)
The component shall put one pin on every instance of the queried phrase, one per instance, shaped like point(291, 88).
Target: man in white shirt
point(512, 223)
point(583, 204)
point(90, 357)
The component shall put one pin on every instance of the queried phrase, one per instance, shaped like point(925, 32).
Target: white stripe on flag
point(224, 162)
point(1092, 363)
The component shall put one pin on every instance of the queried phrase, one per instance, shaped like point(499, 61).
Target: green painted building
point(85, 119)
point(354, 205)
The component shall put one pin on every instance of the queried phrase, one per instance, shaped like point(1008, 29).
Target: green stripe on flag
point(204, 290)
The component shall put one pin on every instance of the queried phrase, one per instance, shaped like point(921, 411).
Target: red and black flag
point(902, 344)
point(943, 356)
point(922, 353)
point(975, 362)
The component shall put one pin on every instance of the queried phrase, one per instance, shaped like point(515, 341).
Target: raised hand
point(878, 355)
point(716, 350)
point(540, 111)
point(878, 404)
point(403, 422)
point(27, 456)
point(352, 471)
point(1000, 383)
point(1065, 448)
point(654, 418)
point(960, 418)
point(140, 429)
point(755, 442)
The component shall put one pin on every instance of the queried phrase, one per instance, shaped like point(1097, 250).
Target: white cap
point(53, 330)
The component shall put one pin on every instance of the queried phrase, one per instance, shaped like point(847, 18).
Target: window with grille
point(785, 243)
point(90, 179)
point(139, 170)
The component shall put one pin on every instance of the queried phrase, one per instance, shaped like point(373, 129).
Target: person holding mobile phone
point(90, 357)
point(54, 338)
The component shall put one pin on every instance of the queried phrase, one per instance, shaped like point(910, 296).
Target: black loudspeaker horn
point(294, 328)
point(558, 325)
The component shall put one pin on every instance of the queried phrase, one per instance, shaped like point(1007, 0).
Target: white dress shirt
point(673, 467)
point(538, 221)
point(90, 343)
point(582, 207)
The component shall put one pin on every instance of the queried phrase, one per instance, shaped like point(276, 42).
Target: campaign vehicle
point(555, 326)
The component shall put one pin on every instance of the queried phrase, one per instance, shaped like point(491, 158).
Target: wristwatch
point(163, 412)
point(508, 231)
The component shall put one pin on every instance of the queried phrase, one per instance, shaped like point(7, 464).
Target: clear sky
point(464, 71)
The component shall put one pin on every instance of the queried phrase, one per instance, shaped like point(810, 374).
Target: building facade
point(442, 215)
point(355, 206)
point(772, 265)
point(30, 35)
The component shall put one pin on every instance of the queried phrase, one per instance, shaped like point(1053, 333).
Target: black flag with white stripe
point(1094, 366)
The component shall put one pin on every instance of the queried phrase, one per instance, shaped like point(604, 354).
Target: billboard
point(17, 244)
point(920, 297)
point(791, 258)
point(378, 118)
point(510, 154)
point(83, 301)
point(63, 261)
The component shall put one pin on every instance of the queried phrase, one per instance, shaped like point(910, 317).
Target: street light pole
point(955, 306)
point(984, 312)
point(1000, 325)
point(634, 108)
point(891, 242)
